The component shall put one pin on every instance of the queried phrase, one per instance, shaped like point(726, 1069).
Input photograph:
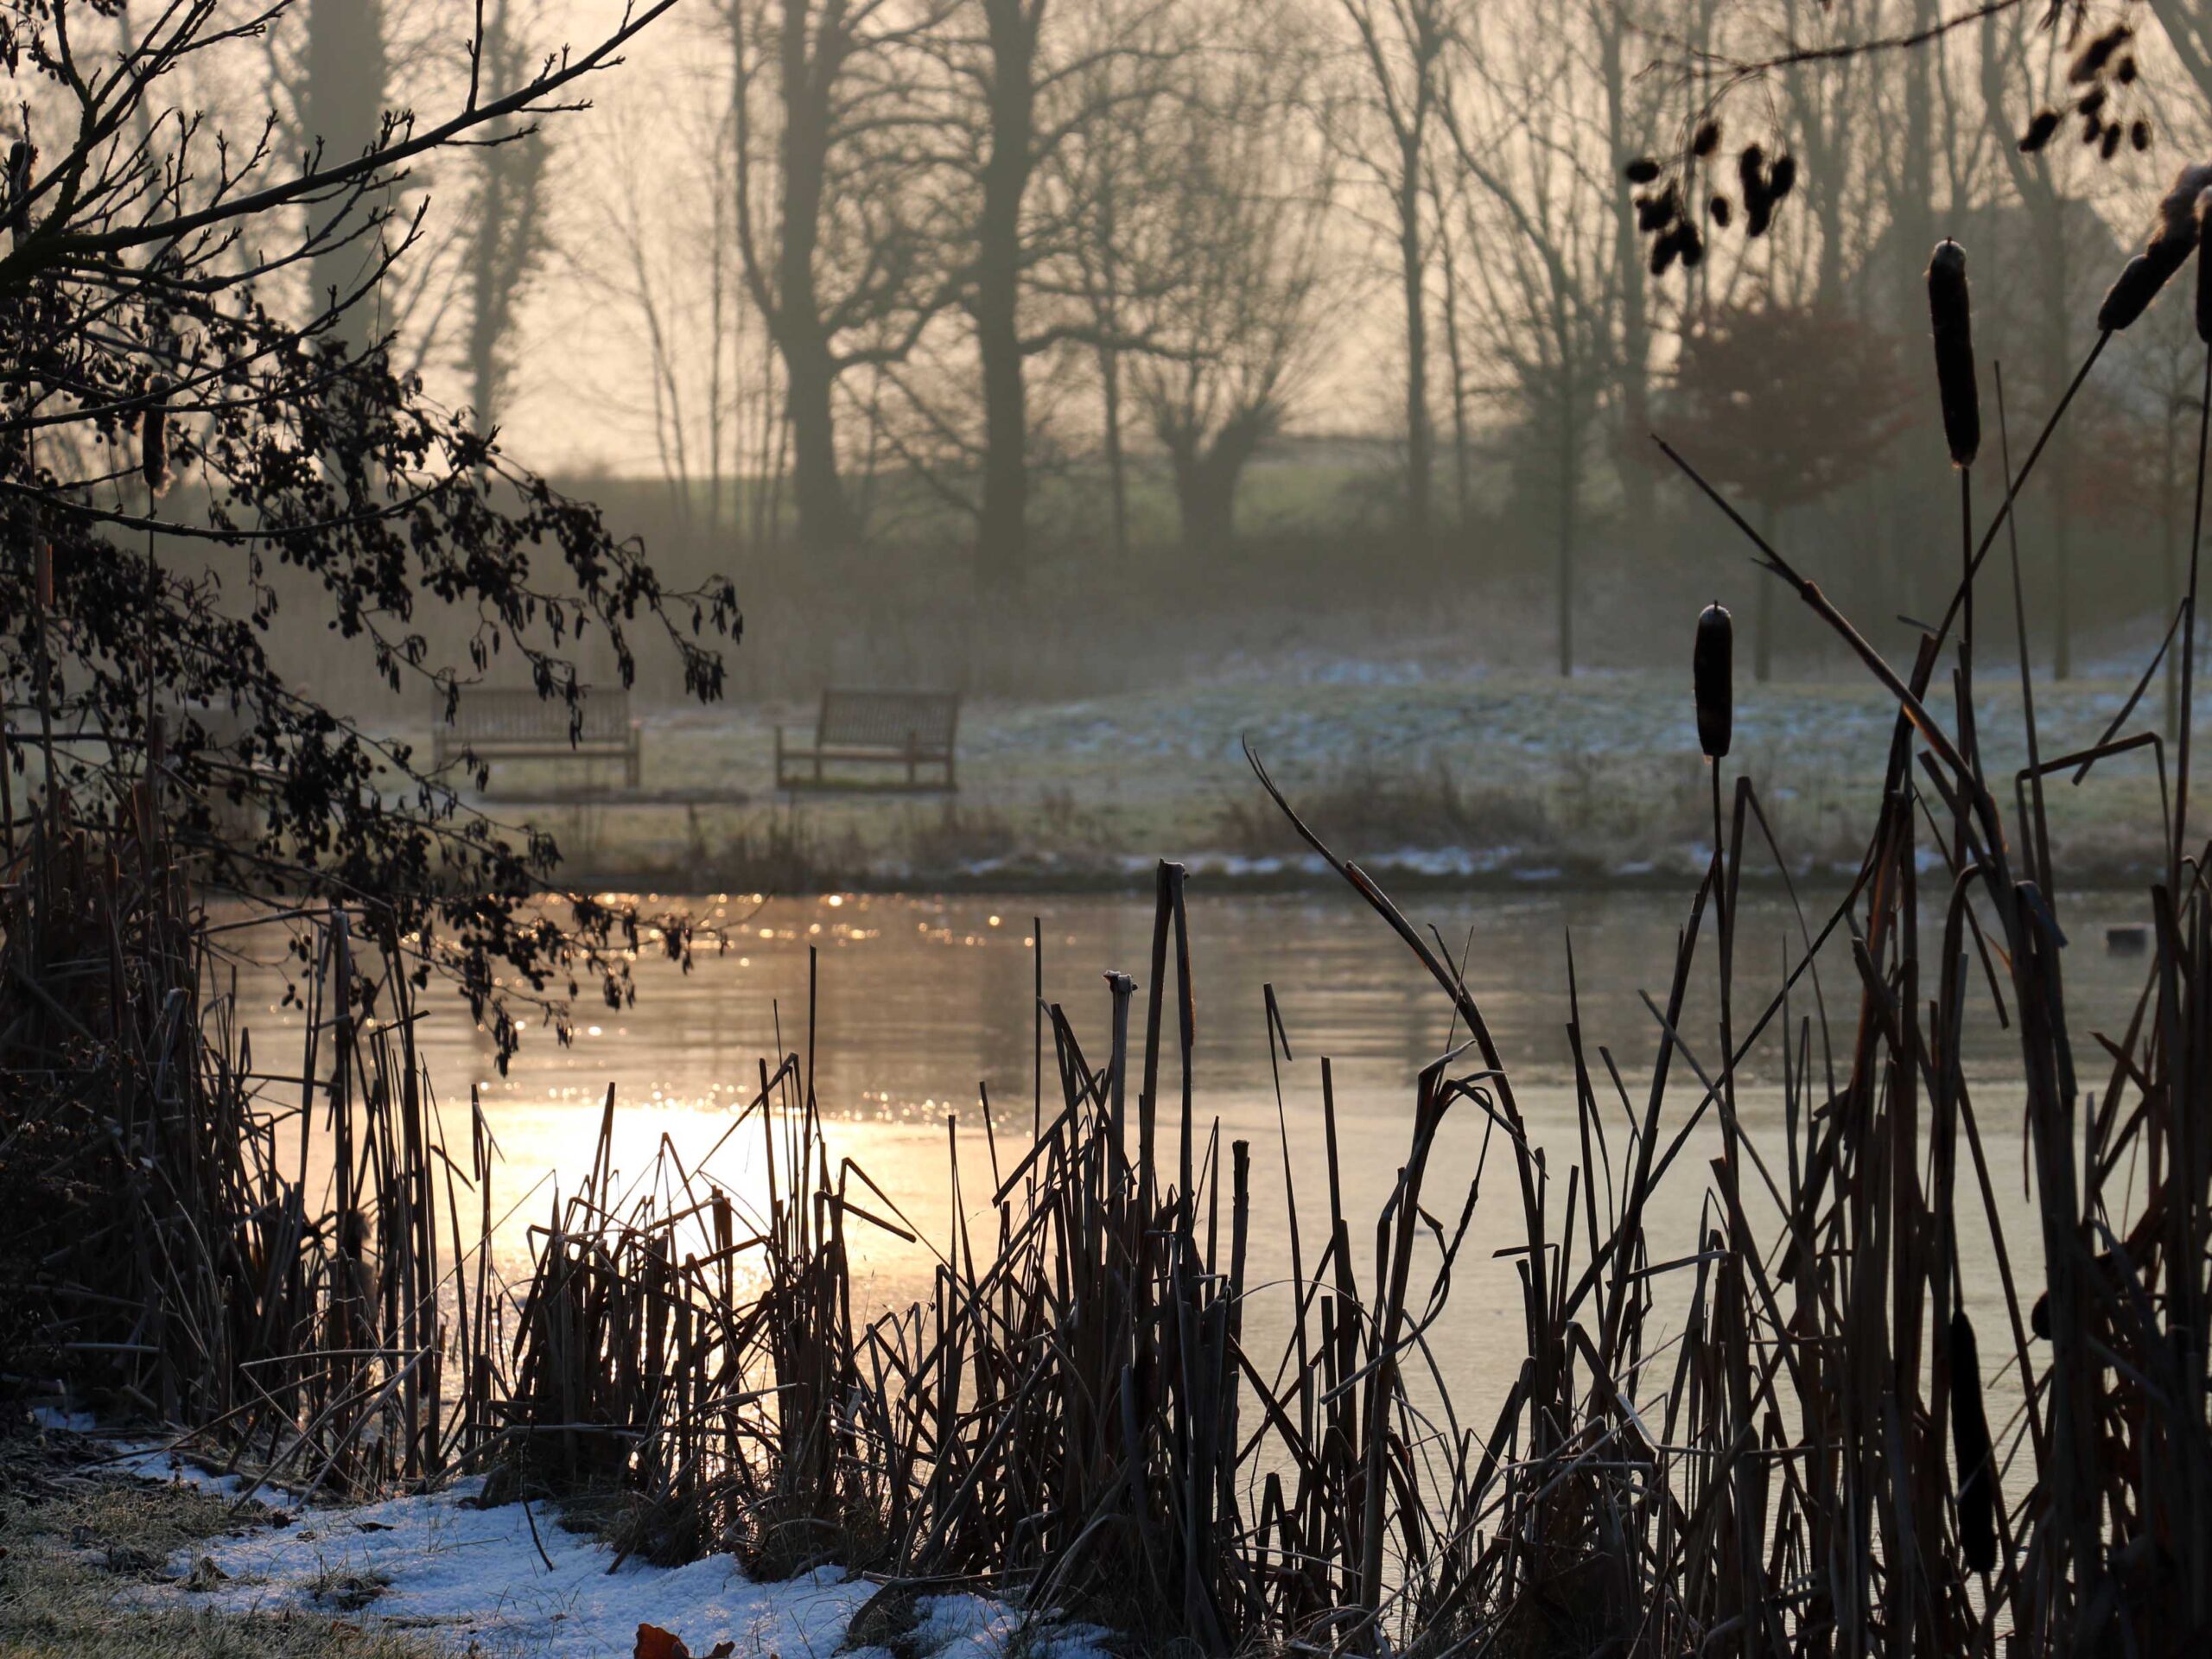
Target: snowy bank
point(474, 1581)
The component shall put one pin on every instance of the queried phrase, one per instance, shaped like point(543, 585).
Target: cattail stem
point(2189, 629)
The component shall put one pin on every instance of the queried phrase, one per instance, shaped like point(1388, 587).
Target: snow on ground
point(474, 1581)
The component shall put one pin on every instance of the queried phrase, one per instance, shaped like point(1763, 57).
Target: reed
point(1789, 1441)
point(186, 1248)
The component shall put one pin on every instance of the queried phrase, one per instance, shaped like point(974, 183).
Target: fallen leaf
point(654, 1643)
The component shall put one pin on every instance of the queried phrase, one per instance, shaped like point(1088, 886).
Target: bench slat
point(888, 720)
point(908, 728)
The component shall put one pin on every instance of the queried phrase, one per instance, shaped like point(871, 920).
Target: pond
point(923, 1004)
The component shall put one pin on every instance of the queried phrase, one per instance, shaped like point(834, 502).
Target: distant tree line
point(965, 245)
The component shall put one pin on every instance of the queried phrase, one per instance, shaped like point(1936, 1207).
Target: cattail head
point(154, 440)
point(42, 574)
point(1712, 674)
point(1970, 1443)
point(1949, 314)
point(2172, 238)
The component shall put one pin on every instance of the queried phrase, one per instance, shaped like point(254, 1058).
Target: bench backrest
point(923, 721)
point(523, 716)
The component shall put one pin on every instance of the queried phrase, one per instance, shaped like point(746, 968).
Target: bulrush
point(1712, 673)
point(153, 440)
point(1951, 317)
point(1970, 1443)
point(2173, 237)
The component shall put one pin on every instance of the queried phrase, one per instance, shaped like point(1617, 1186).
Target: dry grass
point(78, 1543)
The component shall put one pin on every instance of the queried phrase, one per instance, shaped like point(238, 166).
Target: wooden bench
point(523, 726)
point(908, 730)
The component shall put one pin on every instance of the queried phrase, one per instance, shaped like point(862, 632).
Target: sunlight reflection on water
point(921, 1000)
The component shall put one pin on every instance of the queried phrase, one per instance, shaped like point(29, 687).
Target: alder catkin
point(1712, 674)
point(1950, 315)
point(153, 439)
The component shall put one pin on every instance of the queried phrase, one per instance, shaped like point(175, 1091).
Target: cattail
point(1642, 171)
point(2203, 269)
point(1712, 674)
point(2139, 134)
point(1970, 1443)
point(1783, 179)
point(154, 440)
point(2040, 131)
point(1952, 317)
point(42, 574)
point(1721, 208)
point(2110, 147)
point(1707, 139)
point(2173, 237)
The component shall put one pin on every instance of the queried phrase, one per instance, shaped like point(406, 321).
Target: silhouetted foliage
point(152, 326)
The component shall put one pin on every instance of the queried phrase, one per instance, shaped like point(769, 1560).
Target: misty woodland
point(1036, 829)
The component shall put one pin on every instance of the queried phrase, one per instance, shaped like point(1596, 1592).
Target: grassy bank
point(100, 1564)
point(1438, 776)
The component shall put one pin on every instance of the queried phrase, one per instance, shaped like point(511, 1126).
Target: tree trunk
point(1207, 476)
point(1109, 367)
point(1413, 265)
point(1569, 485)
point(825, 523)
point(1455, 360)
point(1002, 551)
point(1634, 346)
point(505, 240)
point(1117, 471)
point(341, 106)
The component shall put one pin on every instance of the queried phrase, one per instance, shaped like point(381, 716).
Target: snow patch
point(473, 1580)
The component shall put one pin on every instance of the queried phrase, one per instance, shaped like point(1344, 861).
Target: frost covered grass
point(143, 1554)
point(1444, 775)
point(99, 1558)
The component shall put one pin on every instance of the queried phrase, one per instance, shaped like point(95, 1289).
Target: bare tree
point(1401, 46)
point(1540, 176)
point(341, 112)
point(509, 237)
point(147, 298)
point(837, 213)
point(1237, 332)
point(1034, 80)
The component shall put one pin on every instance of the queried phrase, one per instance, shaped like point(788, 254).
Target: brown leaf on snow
point(654, 1643)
